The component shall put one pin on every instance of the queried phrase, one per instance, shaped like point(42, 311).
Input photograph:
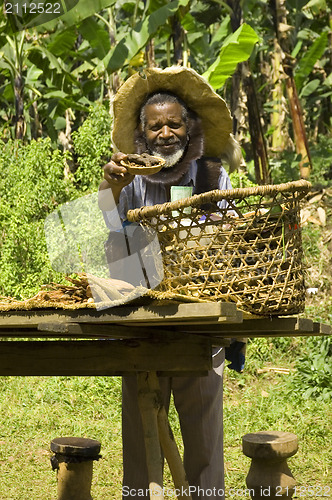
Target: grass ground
point(33, 411)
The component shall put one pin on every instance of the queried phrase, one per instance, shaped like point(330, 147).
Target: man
point(174, 114)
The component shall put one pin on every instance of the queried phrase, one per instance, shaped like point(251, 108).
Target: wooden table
point(128, 339)
point(171, 339)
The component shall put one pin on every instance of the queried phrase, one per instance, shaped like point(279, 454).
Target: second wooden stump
point(269, 475)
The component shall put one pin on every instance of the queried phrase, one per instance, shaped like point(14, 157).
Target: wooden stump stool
point(269, 475)
point(73, 460)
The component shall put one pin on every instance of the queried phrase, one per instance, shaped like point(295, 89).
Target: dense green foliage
point(284, 166)
point(32, 184)
point(58, 79)
point(313, 377)
point(92, 147)
point(34, 180)
point(65, 65)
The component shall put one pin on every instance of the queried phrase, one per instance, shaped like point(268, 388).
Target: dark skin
point(165, 132)
point(165, 129)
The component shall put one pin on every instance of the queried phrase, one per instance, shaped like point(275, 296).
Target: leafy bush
point(93, 146)
point(313, 377)
point(285, 167)
point(241, 180)
point(32, 184)
point(267, 349)
point(321, 154)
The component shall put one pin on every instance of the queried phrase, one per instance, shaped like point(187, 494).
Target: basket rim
point(216, 195)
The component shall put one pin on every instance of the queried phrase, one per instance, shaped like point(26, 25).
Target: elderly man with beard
point(173, 114)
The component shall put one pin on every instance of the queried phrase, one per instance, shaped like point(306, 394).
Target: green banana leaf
point(235, 49)
point(307, 62)
point(77, 14)
point(138, 37)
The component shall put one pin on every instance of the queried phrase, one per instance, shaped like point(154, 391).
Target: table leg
point(149, 407)
point(172, 455)
point(157, 431)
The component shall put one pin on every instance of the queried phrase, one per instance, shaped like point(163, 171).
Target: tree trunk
point(301, 141)
point(19, 107)
point(236, 21)
point(178, 38)
point(150, 54)
point(256, 133)
point(243, 73)
point(279, 13)
point(37, 129)
point(280, 137)
point(67, 142)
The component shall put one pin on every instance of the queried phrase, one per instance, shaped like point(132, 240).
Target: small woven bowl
point(136, 169)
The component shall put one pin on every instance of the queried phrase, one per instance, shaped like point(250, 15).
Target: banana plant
point(75, 77)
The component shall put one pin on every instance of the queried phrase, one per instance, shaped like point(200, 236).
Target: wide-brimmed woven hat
point(186, 84)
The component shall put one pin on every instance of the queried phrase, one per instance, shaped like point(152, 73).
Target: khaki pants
point(198, 401)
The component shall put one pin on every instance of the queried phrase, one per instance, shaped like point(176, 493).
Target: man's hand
point(116, 176)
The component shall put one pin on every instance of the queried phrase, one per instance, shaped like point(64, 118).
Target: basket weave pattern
point(246, 248)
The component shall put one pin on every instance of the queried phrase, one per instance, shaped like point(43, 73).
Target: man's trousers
point(198, 401)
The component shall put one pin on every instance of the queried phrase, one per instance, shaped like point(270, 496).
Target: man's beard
point(171, 159)
point(173, 170)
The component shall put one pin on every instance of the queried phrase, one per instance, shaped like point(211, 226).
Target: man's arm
point(116, 177)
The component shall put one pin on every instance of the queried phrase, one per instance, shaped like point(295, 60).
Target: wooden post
point(73, 460)
point(269, 475)
point(148, 402)
point(172, 455)
point(157, 431)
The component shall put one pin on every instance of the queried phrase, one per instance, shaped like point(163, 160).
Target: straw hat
point(190, 87)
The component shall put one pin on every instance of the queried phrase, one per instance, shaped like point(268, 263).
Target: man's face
point(166, 131)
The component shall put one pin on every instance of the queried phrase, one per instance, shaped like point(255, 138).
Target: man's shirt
point(139, 193)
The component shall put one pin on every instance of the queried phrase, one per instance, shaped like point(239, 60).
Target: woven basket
point(242, 245)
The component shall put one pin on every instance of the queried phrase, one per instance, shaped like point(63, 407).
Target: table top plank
point(265, 327)
point(322, 329)
point(213, 319)
point(147, 314)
